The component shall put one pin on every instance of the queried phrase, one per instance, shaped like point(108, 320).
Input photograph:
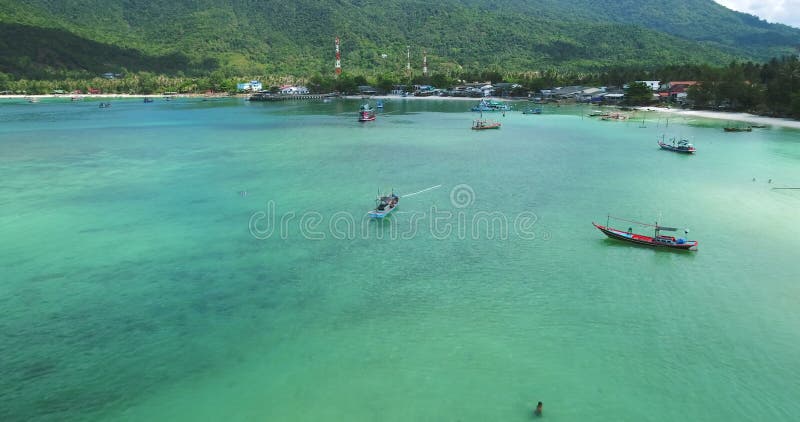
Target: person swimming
point(538, 411)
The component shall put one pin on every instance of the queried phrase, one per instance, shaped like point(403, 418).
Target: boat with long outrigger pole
point(384, 205)
point(657, 240)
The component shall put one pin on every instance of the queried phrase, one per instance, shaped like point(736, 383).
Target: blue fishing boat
point(379, 104)
point(385, 204)
point(490, 105)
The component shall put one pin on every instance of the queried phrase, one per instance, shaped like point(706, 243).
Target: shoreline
point(68, 96)
point(707, 114)
point(728, 115)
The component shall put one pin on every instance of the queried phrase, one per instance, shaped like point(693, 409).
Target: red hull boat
point(657, 240)
point(366, 113)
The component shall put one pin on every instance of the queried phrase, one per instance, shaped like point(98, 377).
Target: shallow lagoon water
point(133, 288)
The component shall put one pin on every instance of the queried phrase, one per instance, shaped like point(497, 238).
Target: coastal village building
point(463, 91)
point(294, 90)
point(562, 92)
point(653, 85)
point(583, 94)
point(587, 94)
point(675, 91)
point(505, 89)
point(252, 86)
point(367, 90)
point(399, 90)
point(471, 90)
point(424, 90)
point(614, 97)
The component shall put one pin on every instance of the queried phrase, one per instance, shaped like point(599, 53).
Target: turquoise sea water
point(147, 274)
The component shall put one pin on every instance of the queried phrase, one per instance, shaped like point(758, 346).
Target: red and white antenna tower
point(424, 63)
point(338, 59)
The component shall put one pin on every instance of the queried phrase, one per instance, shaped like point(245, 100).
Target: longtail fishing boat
point(483, 125)
point(385, 204)
point(537, 110)
point(366, 113)
point(656, 240)
point(614, 116)
point(682, 145)
point(738, 128)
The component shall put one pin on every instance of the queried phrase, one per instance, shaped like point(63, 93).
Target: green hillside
point(45, 38)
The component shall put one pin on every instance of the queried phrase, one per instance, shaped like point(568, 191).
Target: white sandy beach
point(728, 115)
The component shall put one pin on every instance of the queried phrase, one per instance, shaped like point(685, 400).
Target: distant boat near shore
point(738, 128)
point(615, 116)
point(491, 105)
point(537, 110)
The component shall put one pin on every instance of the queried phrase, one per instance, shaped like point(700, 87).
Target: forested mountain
point(40, 39)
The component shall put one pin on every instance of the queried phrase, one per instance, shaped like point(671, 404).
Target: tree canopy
point(45, 39)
